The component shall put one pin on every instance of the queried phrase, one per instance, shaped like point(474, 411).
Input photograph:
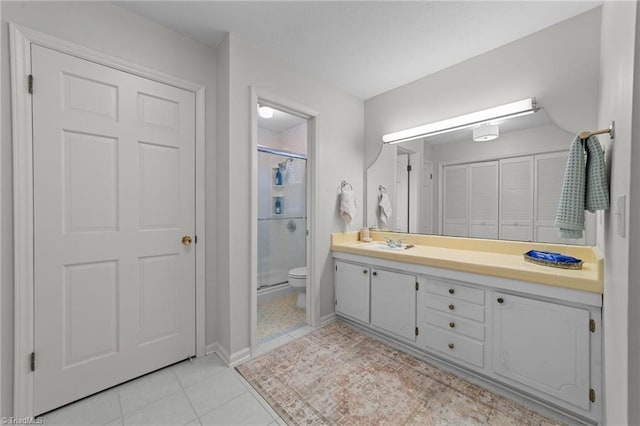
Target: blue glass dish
point(556, 260)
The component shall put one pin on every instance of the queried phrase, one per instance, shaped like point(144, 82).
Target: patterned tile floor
point(338, 376)
point(278, 317)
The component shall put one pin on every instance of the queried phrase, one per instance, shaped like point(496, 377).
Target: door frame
point(313, 278)
point(21, 39)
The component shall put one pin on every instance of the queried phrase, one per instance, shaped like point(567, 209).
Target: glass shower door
point(282, 217)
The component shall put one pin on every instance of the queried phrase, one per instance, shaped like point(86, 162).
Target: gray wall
point(112, 30)
point(340, 124)
point(617, 62)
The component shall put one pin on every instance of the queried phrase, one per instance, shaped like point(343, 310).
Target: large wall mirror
point(505, 188)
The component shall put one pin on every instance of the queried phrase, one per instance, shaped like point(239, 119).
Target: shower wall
point(281, 236)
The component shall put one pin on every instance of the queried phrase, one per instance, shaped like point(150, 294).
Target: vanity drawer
point(453, 345)
point(454, 324)
point(455, 307)
point(456, 291)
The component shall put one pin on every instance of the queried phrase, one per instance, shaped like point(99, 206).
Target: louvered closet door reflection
point(113, 195)
point(516, 199)
point(483, 200)
point(455, 202)
point(549, 175)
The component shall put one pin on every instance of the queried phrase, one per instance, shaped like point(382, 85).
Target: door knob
point(186, 240)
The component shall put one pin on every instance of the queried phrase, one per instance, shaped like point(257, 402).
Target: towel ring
point(344, 184)
point(382, 189)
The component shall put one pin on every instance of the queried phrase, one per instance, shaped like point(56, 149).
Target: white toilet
point(298, 280)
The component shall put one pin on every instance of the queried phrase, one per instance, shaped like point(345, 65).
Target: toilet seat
point(300, 272)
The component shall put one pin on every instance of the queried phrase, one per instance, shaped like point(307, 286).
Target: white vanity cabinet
point(352, 290)
point(543, 345)
point(393, 302)
point(543, 342)
point(451, 321)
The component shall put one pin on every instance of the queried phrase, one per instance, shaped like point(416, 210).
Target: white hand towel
point(347, 205)
point(385, 208)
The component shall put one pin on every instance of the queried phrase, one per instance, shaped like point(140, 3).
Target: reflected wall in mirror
point(506, 188)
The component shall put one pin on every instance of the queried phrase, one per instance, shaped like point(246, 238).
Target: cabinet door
point(352, 290)
point(516, 199)
point(393, 302)
point(542, 345)
point(455, 203)
point(549, 175)
point(483, 200)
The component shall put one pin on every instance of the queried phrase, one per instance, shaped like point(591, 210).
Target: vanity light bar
point(511, 110)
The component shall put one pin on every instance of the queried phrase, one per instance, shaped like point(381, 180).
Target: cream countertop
point(487, 257)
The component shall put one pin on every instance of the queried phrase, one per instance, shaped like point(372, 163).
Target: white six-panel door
point(113, 196)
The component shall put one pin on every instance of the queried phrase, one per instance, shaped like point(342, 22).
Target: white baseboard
point(211, 348)
point(239, 356)
point(327, 319)
point(218, 349)
point(231, 360)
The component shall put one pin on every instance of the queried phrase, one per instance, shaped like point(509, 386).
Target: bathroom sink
point(383, 246)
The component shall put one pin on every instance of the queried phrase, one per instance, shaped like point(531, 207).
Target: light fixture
point(486, 132)
point(486, 116)
point(265, 111)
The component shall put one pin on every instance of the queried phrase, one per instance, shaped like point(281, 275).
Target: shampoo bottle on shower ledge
point(278, 206)
point(278, 177)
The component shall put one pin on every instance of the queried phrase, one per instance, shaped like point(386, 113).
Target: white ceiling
point(280, 121)
point(364, 47)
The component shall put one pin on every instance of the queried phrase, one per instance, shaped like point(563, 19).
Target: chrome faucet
point(392, 243)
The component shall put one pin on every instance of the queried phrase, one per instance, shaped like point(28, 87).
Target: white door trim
point(313, 277)
point(21, 39)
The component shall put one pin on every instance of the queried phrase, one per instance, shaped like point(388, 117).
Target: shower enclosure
point(282, 214)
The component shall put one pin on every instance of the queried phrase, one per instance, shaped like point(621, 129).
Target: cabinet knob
point(451, 291)
point(451, 345)
point(374, 273)
point(451, 307)
point(364, 271)
point(452, 324)
point(500, 300)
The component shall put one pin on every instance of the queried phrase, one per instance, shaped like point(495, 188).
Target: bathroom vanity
point(477, 305)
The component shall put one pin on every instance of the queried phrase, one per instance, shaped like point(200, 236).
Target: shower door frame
point(313, 279)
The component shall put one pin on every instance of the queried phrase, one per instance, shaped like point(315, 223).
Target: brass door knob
point(186, 240)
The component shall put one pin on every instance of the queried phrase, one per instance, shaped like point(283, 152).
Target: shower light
point(265, 111)
point(486, 116)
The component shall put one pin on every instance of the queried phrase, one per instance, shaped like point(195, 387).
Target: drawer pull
point(452, 324)
point(451, 291)
point(451, 346)
point(500, 300)
point(364, 271)
point(374, 273)
point(451, 307)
